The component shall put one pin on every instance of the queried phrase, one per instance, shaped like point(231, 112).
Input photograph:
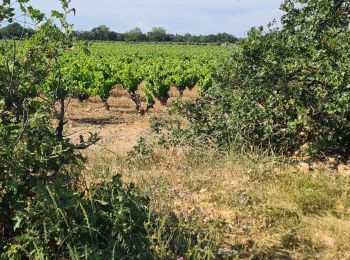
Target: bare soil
point(119, 128)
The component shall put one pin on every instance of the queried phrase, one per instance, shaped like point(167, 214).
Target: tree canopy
point(157, 34)
point(15, 30)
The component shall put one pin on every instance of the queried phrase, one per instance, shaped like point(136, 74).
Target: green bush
point(43, 212)
point(284, 89)
point(107, 221)
point(292, 86)
point(29, 156)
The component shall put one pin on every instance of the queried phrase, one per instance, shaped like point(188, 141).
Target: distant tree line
point(157, 34)
point(104, 33)
point(15, 30)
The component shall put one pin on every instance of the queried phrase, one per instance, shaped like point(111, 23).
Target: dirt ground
point(119, 128)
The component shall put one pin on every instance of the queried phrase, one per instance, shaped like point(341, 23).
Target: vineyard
point(95, 70)
point(162, 151)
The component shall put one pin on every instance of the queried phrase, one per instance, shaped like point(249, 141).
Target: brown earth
point(119, 128)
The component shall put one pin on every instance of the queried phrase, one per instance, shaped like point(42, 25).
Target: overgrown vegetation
point(286, 89)
point(46, 211)
point(216, 205)
point(43, 214)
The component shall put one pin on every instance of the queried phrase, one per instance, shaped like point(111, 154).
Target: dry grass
point(119, 91)
point(242, 205)
point(267, 208)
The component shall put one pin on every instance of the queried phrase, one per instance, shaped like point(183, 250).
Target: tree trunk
point(105, 103)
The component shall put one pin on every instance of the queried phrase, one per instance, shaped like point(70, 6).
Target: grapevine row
point(98, 70)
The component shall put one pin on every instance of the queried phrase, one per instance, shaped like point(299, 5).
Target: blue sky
point(177, 16)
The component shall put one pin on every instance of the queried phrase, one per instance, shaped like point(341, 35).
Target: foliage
point(15, 30)
point(30, 155)
point(100, 33)
point(287, 88)
point(31, 151)
point(43, 214)
point(157, 34)
point(135, 35)
point(198, 123)
point(142, 152)
point(296, 90)
point(106, 221)
point(187, 236)
point(97, 69)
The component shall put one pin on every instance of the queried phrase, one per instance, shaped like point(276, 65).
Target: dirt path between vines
point(119, 128)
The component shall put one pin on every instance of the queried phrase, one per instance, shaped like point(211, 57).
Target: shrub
point(292, 85)
point(107, 221)
point(285, 89)
point(43, 214)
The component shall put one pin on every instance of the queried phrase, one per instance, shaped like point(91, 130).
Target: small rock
point(304, 167)
point(230, 227)
point(332, 160)
point(344, 170)
point(98, 181)
point(245, 227)
point(203, 191)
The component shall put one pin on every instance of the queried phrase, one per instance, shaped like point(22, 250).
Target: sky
point(176, 16)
